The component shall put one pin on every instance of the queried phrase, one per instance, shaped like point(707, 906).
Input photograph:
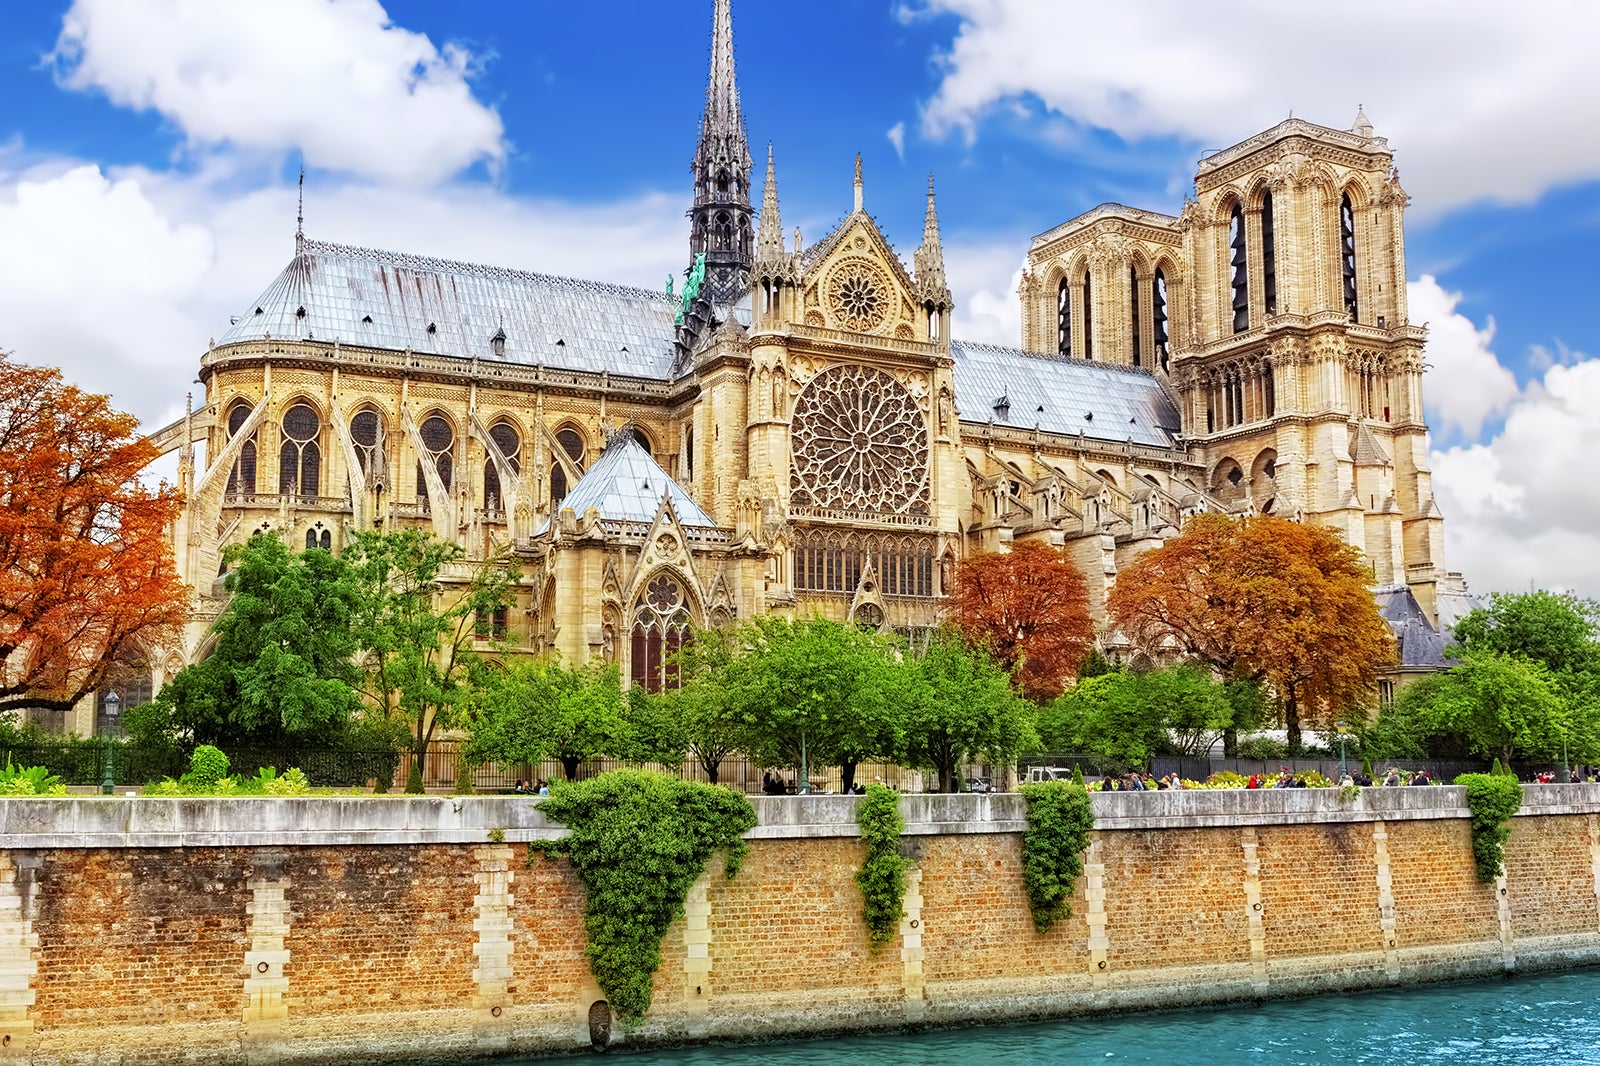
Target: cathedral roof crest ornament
point(858, 200)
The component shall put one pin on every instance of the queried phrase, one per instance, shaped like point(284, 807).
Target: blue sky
point(148, 158)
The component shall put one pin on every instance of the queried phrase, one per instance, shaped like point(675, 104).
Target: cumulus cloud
point(1440, 89)
point(1466, 383)
point(984, 275)
point(332, 79)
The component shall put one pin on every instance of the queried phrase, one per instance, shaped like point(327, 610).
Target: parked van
point(1047, 773)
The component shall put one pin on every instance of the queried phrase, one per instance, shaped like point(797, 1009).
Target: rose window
point(858, 295)
point(860, 443)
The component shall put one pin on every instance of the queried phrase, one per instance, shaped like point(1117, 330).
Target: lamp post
point(108, 779)
point(1566, 774)
point(1343, 728)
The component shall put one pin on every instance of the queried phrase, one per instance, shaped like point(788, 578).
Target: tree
point(1553, 628)
point(87, 582)
point(418, 629)
point(1129, 717)
point(1261, 599)
point(536, 709)
point(957, 704)
point(1029, 609)
point(282, 667)
point(698, 717)
point(812, 693)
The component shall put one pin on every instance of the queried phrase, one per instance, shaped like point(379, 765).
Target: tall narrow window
point(1347, 255)
point(366, 433)
point(688, 454)
point(558, 485)
point(504, 436)
point(438, 440)
point(1269, 391)
point(300, 459)
point(1239, 264)
point(242, 478)
point(1269, 256)
point(1064, 318)
point(1088, 320)
point(660, 630)
point(1133, 309)
point(1158, 315)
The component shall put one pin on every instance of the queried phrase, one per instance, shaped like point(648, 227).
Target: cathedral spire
point(928, 260)
point(300, 217)
point(722, 220)
point(769, 239)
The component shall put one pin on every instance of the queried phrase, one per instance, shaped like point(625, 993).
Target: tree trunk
point(947, 776)
point(711, 770)
point(569, 766)
point(847, 776)
point(1230, 743)
point(1291, 723)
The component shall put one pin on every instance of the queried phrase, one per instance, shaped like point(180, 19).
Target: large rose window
point(858, 295)
point(860, 444)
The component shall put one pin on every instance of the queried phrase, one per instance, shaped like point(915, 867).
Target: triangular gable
point(853, 223)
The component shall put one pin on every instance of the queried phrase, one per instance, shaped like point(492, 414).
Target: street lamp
point(1343, 728)
point(108, 779)
point(1566, 774)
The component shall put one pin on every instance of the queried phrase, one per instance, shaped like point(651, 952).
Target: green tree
point(697, 718)
point(281, 667)
point(1129, 717)
point(958, 704)
point(418, 623)
point(536, 709)
point(1553, 628)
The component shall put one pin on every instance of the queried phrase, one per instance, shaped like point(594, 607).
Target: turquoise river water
point(1545, 1018)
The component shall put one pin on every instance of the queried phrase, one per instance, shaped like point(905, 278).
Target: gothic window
point(860, 444)
point(502, 435)
point(1133, 310)
point(558, 485)
point(1347, 255)
point(834, 560)
point(688, 454)
point(1158, 315)
point(1269, 256)
point(724, 232)
point(490, 625)
point(1268, 391)
point(660, 629)
point(571, 442)
point(746, 245)
point(858, 295)
point(869, 616)
point(242, 478)
point(300, 460)
point(1088, 321)
point(641, 440)
point(1239, 271)
point(366, 433)
point(1064, 318)
point(438, 442)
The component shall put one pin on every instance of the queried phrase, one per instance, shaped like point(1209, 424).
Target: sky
point(149, 154)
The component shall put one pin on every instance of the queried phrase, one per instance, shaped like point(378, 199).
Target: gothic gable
point(856, 283)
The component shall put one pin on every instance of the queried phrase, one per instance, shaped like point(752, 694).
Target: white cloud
point(333, 79)
point(984, 276)
point(1465, 385)
point(1483, 103)
point(897, 137)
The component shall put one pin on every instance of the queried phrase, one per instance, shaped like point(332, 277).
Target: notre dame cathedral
point(796, 431)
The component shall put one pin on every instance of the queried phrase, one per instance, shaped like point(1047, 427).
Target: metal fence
point(1198, 768)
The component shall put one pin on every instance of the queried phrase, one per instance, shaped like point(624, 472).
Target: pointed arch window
point(366, 433)
point(660, 630)
point(1347, 255)
point(300, 457)
point(1088, 321)
point(1064, 318)
point(1239, 267)
point(504, 436)
point(242, 478)
point(688, 454)
point(1158, 315)
point(438, 444)
point(1269, 256)
point(1133, 311)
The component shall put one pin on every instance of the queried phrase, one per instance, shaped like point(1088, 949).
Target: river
point(1541, 1018)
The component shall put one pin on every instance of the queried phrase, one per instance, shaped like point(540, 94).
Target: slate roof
point(1061, 395)
point(1420, 645)
point(388, 300)
point(626, 484)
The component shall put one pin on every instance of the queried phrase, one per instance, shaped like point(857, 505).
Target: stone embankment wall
point(330, 930)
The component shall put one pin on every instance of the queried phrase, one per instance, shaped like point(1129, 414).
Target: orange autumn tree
point(1029, 609)
point(87, 581)
point(1263, 599)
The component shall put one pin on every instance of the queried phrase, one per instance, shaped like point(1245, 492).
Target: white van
point(1047, 773)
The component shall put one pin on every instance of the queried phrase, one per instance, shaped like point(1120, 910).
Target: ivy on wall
point(882, 878)
point(1060, 820)
point(639, 841)
point(1493, 800)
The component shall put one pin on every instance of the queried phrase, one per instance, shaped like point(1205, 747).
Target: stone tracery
point(860, 444)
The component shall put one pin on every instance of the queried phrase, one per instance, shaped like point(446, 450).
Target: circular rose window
point(858, 295)
point(859, 444)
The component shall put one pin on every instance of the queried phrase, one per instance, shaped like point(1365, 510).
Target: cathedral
point(796, 431)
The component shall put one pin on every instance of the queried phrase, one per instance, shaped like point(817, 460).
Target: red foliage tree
point(1029, 609)
point(87, 581)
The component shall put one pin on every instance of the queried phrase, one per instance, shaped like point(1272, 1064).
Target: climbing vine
point(639, 840)
point(1060, 820)
point(882, 878)
point(1493, 799)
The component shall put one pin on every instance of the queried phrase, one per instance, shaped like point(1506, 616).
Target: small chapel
point(795, 430)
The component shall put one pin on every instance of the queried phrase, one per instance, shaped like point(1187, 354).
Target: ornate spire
point(1362, 126)
point(722, 220)
point(300, 217)
point(928, 260)
point(858, 181)
point(769, 239)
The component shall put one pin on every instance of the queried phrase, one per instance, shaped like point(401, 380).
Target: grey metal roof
point(1419, 644)
point(389, 300)
point(625, 483)
point(1060, 395)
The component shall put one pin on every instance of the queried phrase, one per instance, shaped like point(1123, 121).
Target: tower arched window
point(660, 629)
point(242, 478)
point(1347, 255)
point(1239, 271)
point(1269, 256)
point(1133, 311)
point(1158, 315)
point(300, 457)
point(1064, 318)
point(438, 444)
point(503, 436)
point(1088, 319)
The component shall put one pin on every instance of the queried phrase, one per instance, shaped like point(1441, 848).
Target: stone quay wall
point(326, 930)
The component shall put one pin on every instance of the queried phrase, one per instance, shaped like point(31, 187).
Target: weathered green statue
point(691, 287)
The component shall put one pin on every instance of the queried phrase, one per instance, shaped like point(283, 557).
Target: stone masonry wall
point(283, 931)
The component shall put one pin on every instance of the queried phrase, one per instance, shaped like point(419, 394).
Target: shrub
point(882, 878)
point(1493, 800)
point(208, 766)
point(1060, 820)
point(292, 782)
point(29, 781)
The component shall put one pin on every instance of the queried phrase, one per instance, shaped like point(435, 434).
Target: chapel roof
point(1102, 401)
point(625, 484)
point(1420, 645)
point(379, 299)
